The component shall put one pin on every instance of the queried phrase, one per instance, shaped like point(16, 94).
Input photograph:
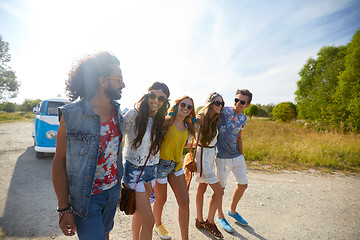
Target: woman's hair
point(83, 77)
point(209, 128)
point(141, 120)
point(170, 119)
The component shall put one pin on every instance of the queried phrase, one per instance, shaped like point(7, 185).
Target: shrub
point(251, 111)
point(284, 111)
point(8, 107)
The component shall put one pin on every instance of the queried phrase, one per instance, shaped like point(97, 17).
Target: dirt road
point(286, 205)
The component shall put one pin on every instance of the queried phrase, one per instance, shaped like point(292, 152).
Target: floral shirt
point(106, 170)
point(137, 156)
point(229, 128)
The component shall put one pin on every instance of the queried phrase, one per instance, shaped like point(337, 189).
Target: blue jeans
point(100, 218)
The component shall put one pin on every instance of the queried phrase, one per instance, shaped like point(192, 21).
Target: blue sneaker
point(224, 224)
point(238, 218)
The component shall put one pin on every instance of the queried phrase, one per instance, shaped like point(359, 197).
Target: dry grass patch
point(15, 116)
point(291, 146)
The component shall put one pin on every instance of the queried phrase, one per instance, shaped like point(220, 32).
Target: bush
point(284, 111)
point(29, 104)
point(251, 111)
point(8, 107)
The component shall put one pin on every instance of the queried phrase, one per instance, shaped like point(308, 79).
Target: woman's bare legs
point(215, 200)
point(200, 201)
point(178, 185)
point(160, 191)
point(143, 219)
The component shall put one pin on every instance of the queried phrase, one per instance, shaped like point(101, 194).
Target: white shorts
point(236, 165)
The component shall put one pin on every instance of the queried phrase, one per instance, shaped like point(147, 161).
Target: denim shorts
point(132, 173)
point(100, 217)
point(165, 168)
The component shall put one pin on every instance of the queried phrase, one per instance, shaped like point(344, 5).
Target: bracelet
point(63, 209)
point(61, 214)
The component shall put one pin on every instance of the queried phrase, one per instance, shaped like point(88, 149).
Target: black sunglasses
point(183, 105)
point(153, 96)
point(218, 103)
point(241, 101)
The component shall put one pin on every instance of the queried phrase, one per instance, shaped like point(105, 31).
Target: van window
point(52, 108)
point(42, 109)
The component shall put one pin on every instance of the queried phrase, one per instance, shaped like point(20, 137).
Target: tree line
point(26, 106)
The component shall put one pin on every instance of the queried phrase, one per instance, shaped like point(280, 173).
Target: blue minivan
point(46, 124)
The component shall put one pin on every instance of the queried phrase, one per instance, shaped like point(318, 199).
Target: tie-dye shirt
point(229, 127)
point(106, 170)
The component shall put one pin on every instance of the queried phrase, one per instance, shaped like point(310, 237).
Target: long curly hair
point(209, 128)
point(83, 77)
point(142, 118)
point(170, 119)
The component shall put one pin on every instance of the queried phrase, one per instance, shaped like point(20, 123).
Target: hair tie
point(192, 119)
point(172, 114)
point(176, 108)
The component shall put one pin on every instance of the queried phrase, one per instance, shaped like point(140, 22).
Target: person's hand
point(67, 224)
point(200, 118)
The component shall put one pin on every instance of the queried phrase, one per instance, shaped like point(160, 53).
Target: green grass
point(278, 145)
point(16, 116)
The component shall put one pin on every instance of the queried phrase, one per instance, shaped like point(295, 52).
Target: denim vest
point(82, 151)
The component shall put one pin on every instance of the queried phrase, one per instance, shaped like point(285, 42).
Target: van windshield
point(52, 108)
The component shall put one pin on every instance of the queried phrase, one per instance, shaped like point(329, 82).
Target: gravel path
point(283, 205)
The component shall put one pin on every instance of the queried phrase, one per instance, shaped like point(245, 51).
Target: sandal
point(211, 227)
point(199, 224)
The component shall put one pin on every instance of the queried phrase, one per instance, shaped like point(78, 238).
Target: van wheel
point(39, 154)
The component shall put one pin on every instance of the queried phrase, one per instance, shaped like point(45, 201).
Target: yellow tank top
point(173, 145)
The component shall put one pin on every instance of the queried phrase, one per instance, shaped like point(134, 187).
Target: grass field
point(16, 116)
point(277, 145)
point(269, 144)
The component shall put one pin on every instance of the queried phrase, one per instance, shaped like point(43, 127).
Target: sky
point(195, 47)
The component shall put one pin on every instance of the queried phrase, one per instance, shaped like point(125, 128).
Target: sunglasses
point(153, 96)
point(218, 103)
point(118, 79)
point(183, 105)
point(241, 101)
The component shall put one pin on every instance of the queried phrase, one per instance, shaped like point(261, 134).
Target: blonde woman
point(179, 125)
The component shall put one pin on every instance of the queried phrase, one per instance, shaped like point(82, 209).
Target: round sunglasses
point(241, 101)
point(218, 103)
point(153, 96)
point(183, 105)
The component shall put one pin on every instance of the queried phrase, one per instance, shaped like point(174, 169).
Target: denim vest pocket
point(78, 143)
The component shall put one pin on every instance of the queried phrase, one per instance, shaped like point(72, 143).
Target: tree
point(8, 107)
point(318, 83)
point(284, 111)
point(348, 92)
point(251, 111)
point(28, 105)
point(9, 86)
point(329, 89)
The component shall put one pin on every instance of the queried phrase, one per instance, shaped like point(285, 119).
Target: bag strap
point(142, 169)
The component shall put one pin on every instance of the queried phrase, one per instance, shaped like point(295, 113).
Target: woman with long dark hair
point(178, 127)
point(143, 134)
